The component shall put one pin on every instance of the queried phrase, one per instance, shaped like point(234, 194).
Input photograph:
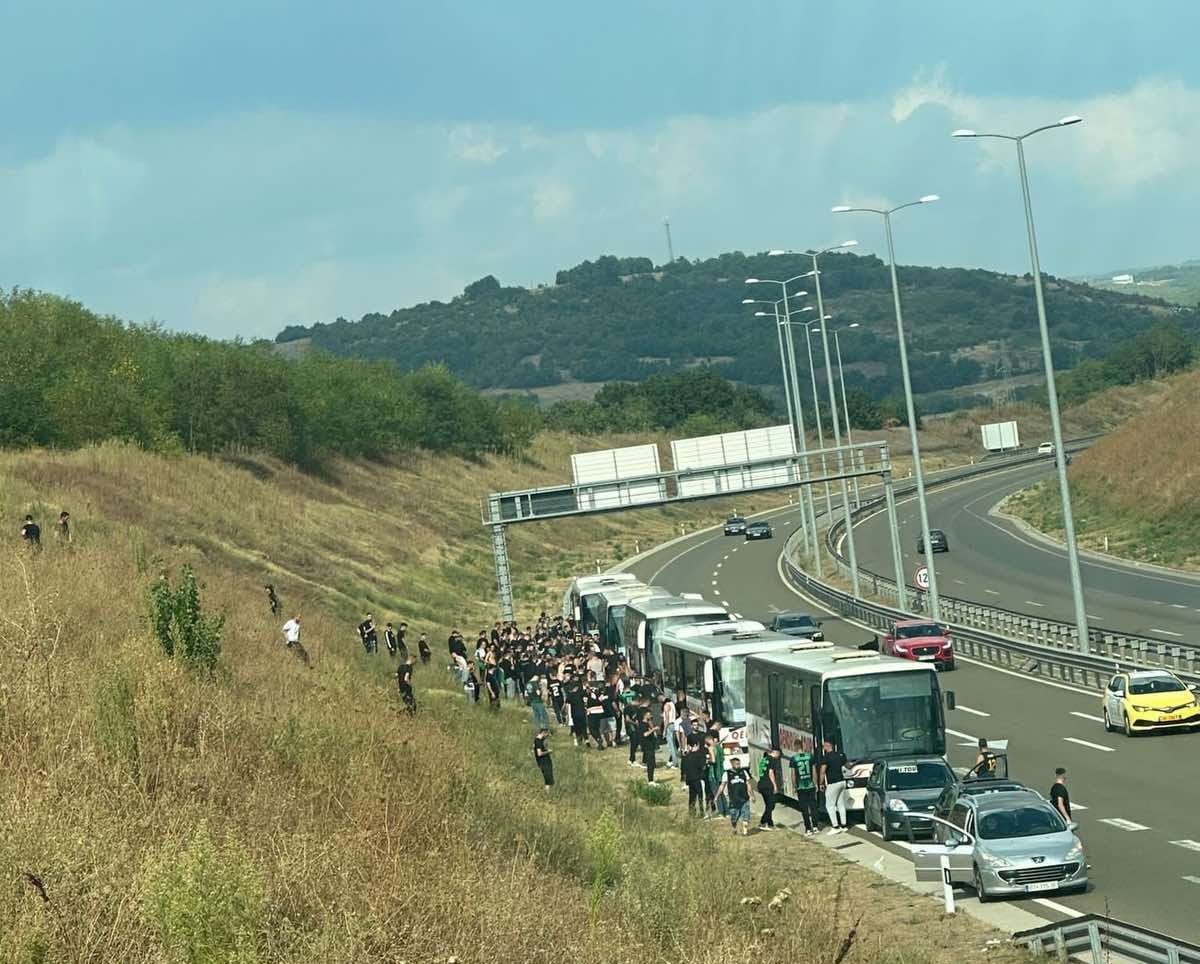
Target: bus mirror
point(709, 684)
point(951, 703)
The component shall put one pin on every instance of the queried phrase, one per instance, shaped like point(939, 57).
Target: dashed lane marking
point(714, 582)
point(1087, 716)
point(719, 565)
point(1122, 824)
point(1166, 632)
point(991, 592)
point(1187, 844)
point(1094, 746)
point(1192, 880)
point(973, 712)
point(963, 736)
point(1030, 602)
point(960, 582)
point(1178, 606)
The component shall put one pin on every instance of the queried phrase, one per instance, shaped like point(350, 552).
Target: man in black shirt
point(423, 648)
point(633, 716)
point(1060, 796)
point(366, 632)
point(736, 787)
point(402, 641)
point(831, 777)
point(404, 679)
point(64, 527)
point(31, 533)
point(389, 639)
point(577, 701)
point(649, 743)
point(694, 762)
point(557, 699)
point(492, 681)
point(542, 755)
point(272, 599)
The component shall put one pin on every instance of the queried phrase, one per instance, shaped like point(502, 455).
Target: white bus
point(869, 706)
point(707, 661)
point(647, 619)
point(582, 598)
point(611, 611)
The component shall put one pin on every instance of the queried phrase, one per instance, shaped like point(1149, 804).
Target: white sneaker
point(832, 831)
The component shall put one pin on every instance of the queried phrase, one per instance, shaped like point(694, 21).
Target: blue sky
point(234, 167)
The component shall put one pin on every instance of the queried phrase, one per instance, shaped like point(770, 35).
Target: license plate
point(926, 659)
point(1171, 717)
point(1044, 885)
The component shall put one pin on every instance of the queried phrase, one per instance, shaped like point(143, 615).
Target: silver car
point(1012, 843)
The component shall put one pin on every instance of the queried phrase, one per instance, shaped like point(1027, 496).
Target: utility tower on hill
point(670, 247)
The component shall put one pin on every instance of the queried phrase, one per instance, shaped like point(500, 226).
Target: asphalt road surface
point(1146, 865)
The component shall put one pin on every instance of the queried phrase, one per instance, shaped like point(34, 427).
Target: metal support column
point(889, 494)
point(503, 573)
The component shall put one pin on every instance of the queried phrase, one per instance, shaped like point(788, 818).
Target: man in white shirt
point(291, 639)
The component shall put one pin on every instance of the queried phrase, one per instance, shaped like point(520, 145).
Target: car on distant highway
point(937, 542)
point(796, 623)
point(920, 640)
point(735, 525)
point(1046, 448)
point(899, 790)
point(1141, 701)
point(1012, 843)
point(759, 530)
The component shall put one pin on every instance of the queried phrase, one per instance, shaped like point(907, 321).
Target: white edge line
point(973, 712)
point(1087, 716)
point(1094, 746)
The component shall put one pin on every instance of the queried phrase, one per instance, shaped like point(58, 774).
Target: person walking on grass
point(736, 786)
point(493, 683)
point(64, 528)
point(768, 787)
point(714, 772)
point(537, 703)
point(366, 632)
point(806, 790)
point(389, 639)
point(669, 731)
point(541, 754)
point(272, 599)
point(649, 743)
point(31, 533)
point(633, 728)
point(832, 779)
point(695, 762)
point(577, 704)
point(423, 648)
point(404, 679)
point(402, 641)
point(291, 640)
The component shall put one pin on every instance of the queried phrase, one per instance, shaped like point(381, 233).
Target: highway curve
point(1148, 872)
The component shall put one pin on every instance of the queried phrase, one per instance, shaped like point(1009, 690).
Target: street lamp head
point(1069, 120)
point(751, 281)
point(964, 132)
point(841, 209)
point(928, 198)
point(852, 325)
point(848, 244)
point(761, 314)
point(748, 301)
point(798, 294)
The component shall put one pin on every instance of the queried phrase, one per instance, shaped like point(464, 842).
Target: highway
point(1146, 864)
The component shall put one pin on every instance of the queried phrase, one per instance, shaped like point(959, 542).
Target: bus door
point(775, 702)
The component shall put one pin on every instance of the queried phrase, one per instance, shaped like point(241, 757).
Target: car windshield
point(801, 621)
point(733, 689)
point(1020, 821)
point(916, 632)
point(734, 519)
point(926, 775)
point(1155, 684)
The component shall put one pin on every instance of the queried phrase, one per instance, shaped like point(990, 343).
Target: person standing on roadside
point(423, 648)
point(1060, 796)
point(695, 762)
point(649, 743)
point(492, 683)
point(366, 632)
point(389, 639)
point(736, 786)
point(806, 791)
point(668, 731)
point(633, 728)
point(537, 703)
point(404, 679)
point(767, 787)
point(577, 702)
point(831, 777)
point(714, 772)
point(557, 699)
point(541, 754)
point(402, 642)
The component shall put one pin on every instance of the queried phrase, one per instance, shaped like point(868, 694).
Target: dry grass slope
point(276, 814)
point(1138, 485)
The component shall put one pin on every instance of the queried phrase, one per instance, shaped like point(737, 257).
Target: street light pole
point(1060, 455)
point(812, 514)
point(837, 346)
point(918, 474)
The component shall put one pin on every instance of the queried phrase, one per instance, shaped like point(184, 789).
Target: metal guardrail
point(1096, 939)
point(1109, 644)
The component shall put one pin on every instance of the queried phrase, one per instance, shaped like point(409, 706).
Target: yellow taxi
point(1143, 700)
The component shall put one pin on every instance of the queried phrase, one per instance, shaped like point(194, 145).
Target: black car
point(798, 624)
point(937, 542)
point(735, 525)
point(759, 530)
point(900, 792)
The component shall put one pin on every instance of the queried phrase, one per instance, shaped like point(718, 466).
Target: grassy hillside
point(1178, 283)
point(1138, 486)
point(619, 319)
point(271, 813)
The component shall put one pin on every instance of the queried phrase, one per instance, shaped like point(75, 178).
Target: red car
point(920, 640)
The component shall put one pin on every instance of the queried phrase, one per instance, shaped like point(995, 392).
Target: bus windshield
point(733, 689)
point(589, 613)
point(616, 619)
point(884, 714)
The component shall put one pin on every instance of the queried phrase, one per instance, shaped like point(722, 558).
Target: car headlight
point(994, 860)
point(1141, 709)
point(898, 805)
point(1075, 853)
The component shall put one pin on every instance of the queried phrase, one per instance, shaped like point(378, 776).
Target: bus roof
point(834, 661)
point(720, 627)
point(656, 607)
point(734, 644)
point(590, 584)
point(620, 595)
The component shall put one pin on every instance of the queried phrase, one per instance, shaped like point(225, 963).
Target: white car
point(1046, 448)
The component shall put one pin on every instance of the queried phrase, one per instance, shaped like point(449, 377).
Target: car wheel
point(883, 829)
point(949, 667)
point(1128, 727)
point(983, 895)
point(1108, 727)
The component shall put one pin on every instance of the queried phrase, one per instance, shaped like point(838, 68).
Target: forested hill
point(622, 318)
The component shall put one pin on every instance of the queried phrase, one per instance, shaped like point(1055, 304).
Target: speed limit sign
point(922, 577)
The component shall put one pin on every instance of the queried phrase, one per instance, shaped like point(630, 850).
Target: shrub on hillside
point(180, 625)
point(658, 795)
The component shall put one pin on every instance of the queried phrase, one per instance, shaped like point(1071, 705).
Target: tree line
point(69, 377)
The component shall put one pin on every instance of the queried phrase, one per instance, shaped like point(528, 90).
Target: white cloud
point(552, 198)
point(469, 144)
